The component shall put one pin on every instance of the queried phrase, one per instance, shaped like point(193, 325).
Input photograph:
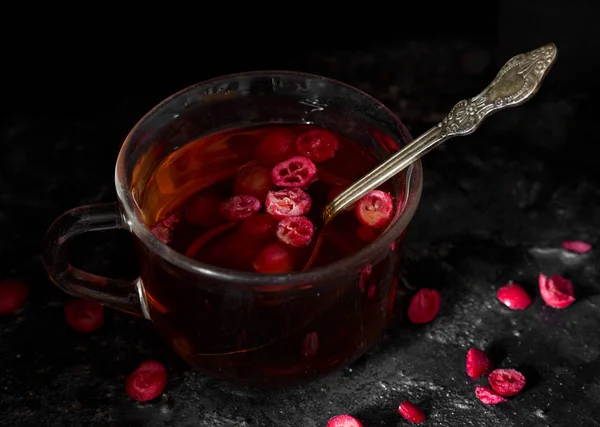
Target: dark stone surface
point(496, 206)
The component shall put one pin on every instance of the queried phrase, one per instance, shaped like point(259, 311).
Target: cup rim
point(133, 216)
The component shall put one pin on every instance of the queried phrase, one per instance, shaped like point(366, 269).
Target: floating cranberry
point(310, 345)
point(288, 202)
point(514, 297)
point(296, 231)
point(13, 294)
point(84, 315)
point(507, 382)
point(411, 412)
point(424, 306)
point(319, 145)
point(239, 207)
point(276, 146)
point(576, 246)
point(488, 396)
point(253, 180)
point(367, 234)
point(375, 209)
point(147, 382)
point(259, 227)
point(202, 210)
point(556, 291)
point(344, 421)
point(163, 228)
point(274, 258)
point(295, 172)
point(478, 363)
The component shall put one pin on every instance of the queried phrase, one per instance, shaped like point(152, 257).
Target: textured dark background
point(496, 206)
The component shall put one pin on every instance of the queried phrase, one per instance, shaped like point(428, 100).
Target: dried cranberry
point(556, 291)
point(319, 145)
point(411, 412)
point(84, 315)
point(424, 306)
point(202, 210)
point(576, 246)
point(375, 209)
point(514, 297)
point(296, 231)
point(13, 294)
point(253, 180)
point(295, 172)
point(507, 382)
point(344, 421)
point(274, 258)
point(478, 363)
point(288, 202)
point(147, 382)
point(276, 146)
point(239, 207)
point(364, 275)
point(259, 227)
point(163, 228)
point(488, 396)
point(310, 345)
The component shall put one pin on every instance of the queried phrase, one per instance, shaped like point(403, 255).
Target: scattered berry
point(375, 209)
point(295, 172)
point(514, 297)
point(276, 146)
point(202, 210)
point(13, 294)
point(239, 207)
point(259, 227)
point(253, 180)
point(411, 412)
point(556, 291)
point(296, 231)
point(163, 228)
point(310, 345)
point(84, 315)
point(288, 202)
point(319, 145)
point(576, 246)
point(488, 396)
point(507, 382)
point(274, 258)
point(478, 363)
point(344, 421)
point(147, 382)
point(424, 306)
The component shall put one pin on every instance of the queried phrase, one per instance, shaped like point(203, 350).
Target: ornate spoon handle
point(517, 81)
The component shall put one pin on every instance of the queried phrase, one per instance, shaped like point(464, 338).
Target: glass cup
point(255, 329)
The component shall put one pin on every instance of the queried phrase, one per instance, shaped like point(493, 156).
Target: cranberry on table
point(13, 294)
point(375, 209)
point(514, 297)
point(84, 315)
point(411, 412)
point(344, 421)
point(287, 202)
point(274, 258)
point(319, 145)
point(276, 146)
point(507, 382)
point(488, 396)
point(253, 180)
point(147, 382)
point(576, 246)
point(259, 227)
point(424, 306)
point(239, 207)
point(478, 363)
point(203, 210)
point(556, 291)
point(296, 231)
point(295, 172)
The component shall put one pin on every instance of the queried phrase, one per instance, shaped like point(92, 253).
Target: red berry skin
point(13, 294)
point(238, 208)
point(84, 315)
point(488, 396)
point(556, 291)
point(202, 210)
point(514, 297)
point(274, 258)
point(375, 209)
point(296, 231)
point(576, 246)
point(147, 382)
point(411, 412)
point(319, 145)
point(507, 382)
point(478, 363)
point(344, 421)
point(259, 227)
point(424, 306)
point(296, 172)
point(276, 146)
point(253, 180)
point(287, 202)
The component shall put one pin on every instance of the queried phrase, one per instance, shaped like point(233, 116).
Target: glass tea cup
point(255, 329)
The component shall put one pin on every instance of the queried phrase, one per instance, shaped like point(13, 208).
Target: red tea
point(251, 200)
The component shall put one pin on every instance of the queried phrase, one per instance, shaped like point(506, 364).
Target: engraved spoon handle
point(517, 81)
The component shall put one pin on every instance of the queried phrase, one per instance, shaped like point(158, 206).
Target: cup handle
point(124, 295)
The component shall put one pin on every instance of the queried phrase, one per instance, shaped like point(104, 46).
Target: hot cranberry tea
point(251, 200)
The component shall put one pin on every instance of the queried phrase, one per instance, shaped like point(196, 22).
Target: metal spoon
point(517, 81)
